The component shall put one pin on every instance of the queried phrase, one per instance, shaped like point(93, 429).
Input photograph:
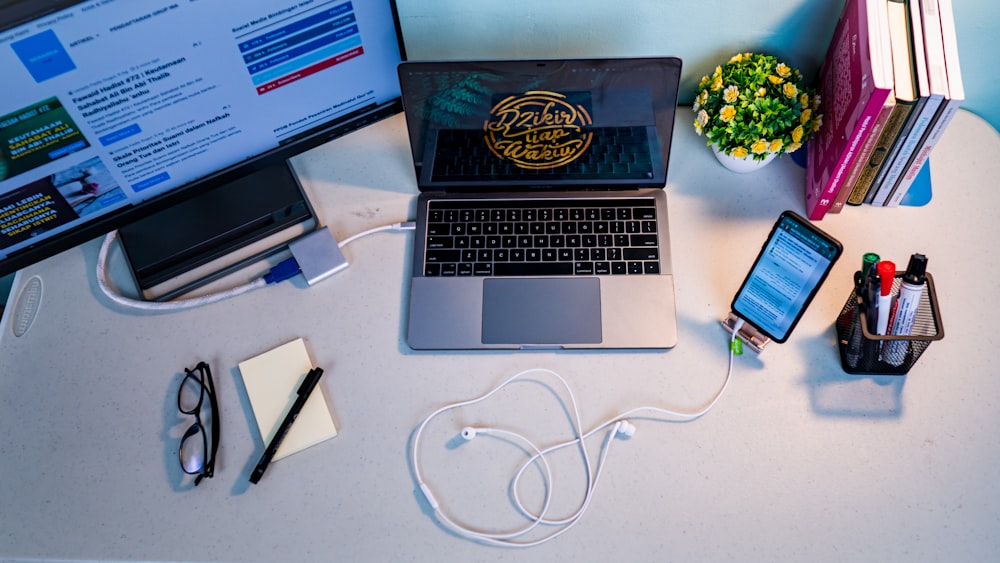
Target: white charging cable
point(281, 272)
point(616, 426)
point(180, 304)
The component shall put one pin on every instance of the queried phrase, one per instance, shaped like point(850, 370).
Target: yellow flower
point(703, 118)
point(740, 152)
point(817, 123)
point(748, 78)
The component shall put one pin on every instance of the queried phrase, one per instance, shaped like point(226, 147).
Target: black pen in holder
point(862, 352)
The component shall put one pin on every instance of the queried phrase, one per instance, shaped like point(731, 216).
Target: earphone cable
point(593, 473)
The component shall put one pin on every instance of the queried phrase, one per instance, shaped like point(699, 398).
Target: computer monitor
point(173, 120)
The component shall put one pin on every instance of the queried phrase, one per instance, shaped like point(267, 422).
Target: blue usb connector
point(282, 271)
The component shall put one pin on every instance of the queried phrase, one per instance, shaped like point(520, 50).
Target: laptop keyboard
point(548, 238)
point(614, 153)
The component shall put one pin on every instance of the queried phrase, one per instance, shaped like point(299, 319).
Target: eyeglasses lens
point(191, 394)
point(193, 451)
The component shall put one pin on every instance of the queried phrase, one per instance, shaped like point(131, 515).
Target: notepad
point(272, 380)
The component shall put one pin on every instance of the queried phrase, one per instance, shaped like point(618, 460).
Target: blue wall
point(703, 33)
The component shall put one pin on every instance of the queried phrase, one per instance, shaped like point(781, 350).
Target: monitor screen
point(113, 109)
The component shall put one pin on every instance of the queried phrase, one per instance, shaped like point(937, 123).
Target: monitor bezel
point(20, 11)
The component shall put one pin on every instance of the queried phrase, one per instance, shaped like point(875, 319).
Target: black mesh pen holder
point(865, 353)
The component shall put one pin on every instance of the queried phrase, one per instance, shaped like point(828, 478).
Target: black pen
point(854, 334)
point(873, 288)
point(306, 389)
point(873, 285)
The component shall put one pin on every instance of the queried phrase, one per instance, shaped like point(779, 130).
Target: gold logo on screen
point(538, 130)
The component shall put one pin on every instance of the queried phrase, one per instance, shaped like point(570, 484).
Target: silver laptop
point(542, 220)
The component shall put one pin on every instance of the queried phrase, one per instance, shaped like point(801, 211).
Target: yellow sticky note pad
point(272, 380)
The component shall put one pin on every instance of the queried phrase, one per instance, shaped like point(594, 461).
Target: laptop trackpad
point(542, 311)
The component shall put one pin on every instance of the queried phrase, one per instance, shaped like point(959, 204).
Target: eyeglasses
point(195, 456)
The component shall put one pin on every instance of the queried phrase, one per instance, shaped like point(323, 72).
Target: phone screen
point(786, 275)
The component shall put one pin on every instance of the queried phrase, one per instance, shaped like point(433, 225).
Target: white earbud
point(625, 429)
point(468, 433)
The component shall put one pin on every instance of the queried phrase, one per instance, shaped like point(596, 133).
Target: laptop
point(542, 219)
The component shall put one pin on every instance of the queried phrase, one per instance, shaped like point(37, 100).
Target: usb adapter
point(318, 255)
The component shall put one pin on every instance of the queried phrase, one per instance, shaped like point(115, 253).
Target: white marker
point(910, 292)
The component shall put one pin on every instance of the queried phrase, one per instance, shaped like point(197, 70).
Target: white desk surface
point(798, 461)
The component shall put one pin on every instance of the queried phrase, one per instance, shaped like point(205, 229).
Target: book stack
point(889, 86)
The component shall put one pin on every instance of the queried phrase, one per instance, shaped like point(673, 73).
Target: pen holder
point(865, 353)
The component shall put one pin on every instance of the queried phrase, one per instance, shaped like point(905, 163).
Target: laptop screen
point(557, 124)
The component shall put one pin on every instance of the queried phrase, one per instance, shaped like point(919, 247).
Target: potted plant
point(754, 108)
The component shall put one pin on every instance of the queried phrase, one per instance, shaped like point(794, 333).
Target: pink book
point(854, 84)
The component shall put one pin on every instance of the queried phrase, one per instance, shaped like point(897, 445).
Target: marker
point(873, 287)
point(887, 273)
point(910, 292)
point(306, 389)
point(867, 262)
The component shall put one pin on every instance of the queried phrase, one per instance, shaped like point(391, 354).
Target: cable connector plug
point(282, 271)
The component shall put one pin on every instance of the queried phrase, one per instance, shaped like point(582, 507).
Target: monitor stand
point(183, 247)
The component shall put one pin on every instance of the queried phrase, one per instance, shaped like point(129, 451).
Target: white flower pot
point(744, 164)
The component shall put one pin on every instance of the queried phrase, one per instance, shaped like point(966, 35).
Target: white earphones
point(625, 429)
point(619, 426)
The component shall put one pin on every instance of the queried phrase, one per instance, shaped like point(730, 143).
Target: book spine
point(948, 112)
point(949, 39)
point(889, 173)
point(884, 143)
point(940, 19)
point(826, 196)
point(931, 99)
point(851, 105)
point(863, 155)
point(860, 162)
point(907, 152)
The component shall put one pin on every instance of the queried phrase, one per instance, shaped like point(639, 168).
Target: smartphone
point(787, 273)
